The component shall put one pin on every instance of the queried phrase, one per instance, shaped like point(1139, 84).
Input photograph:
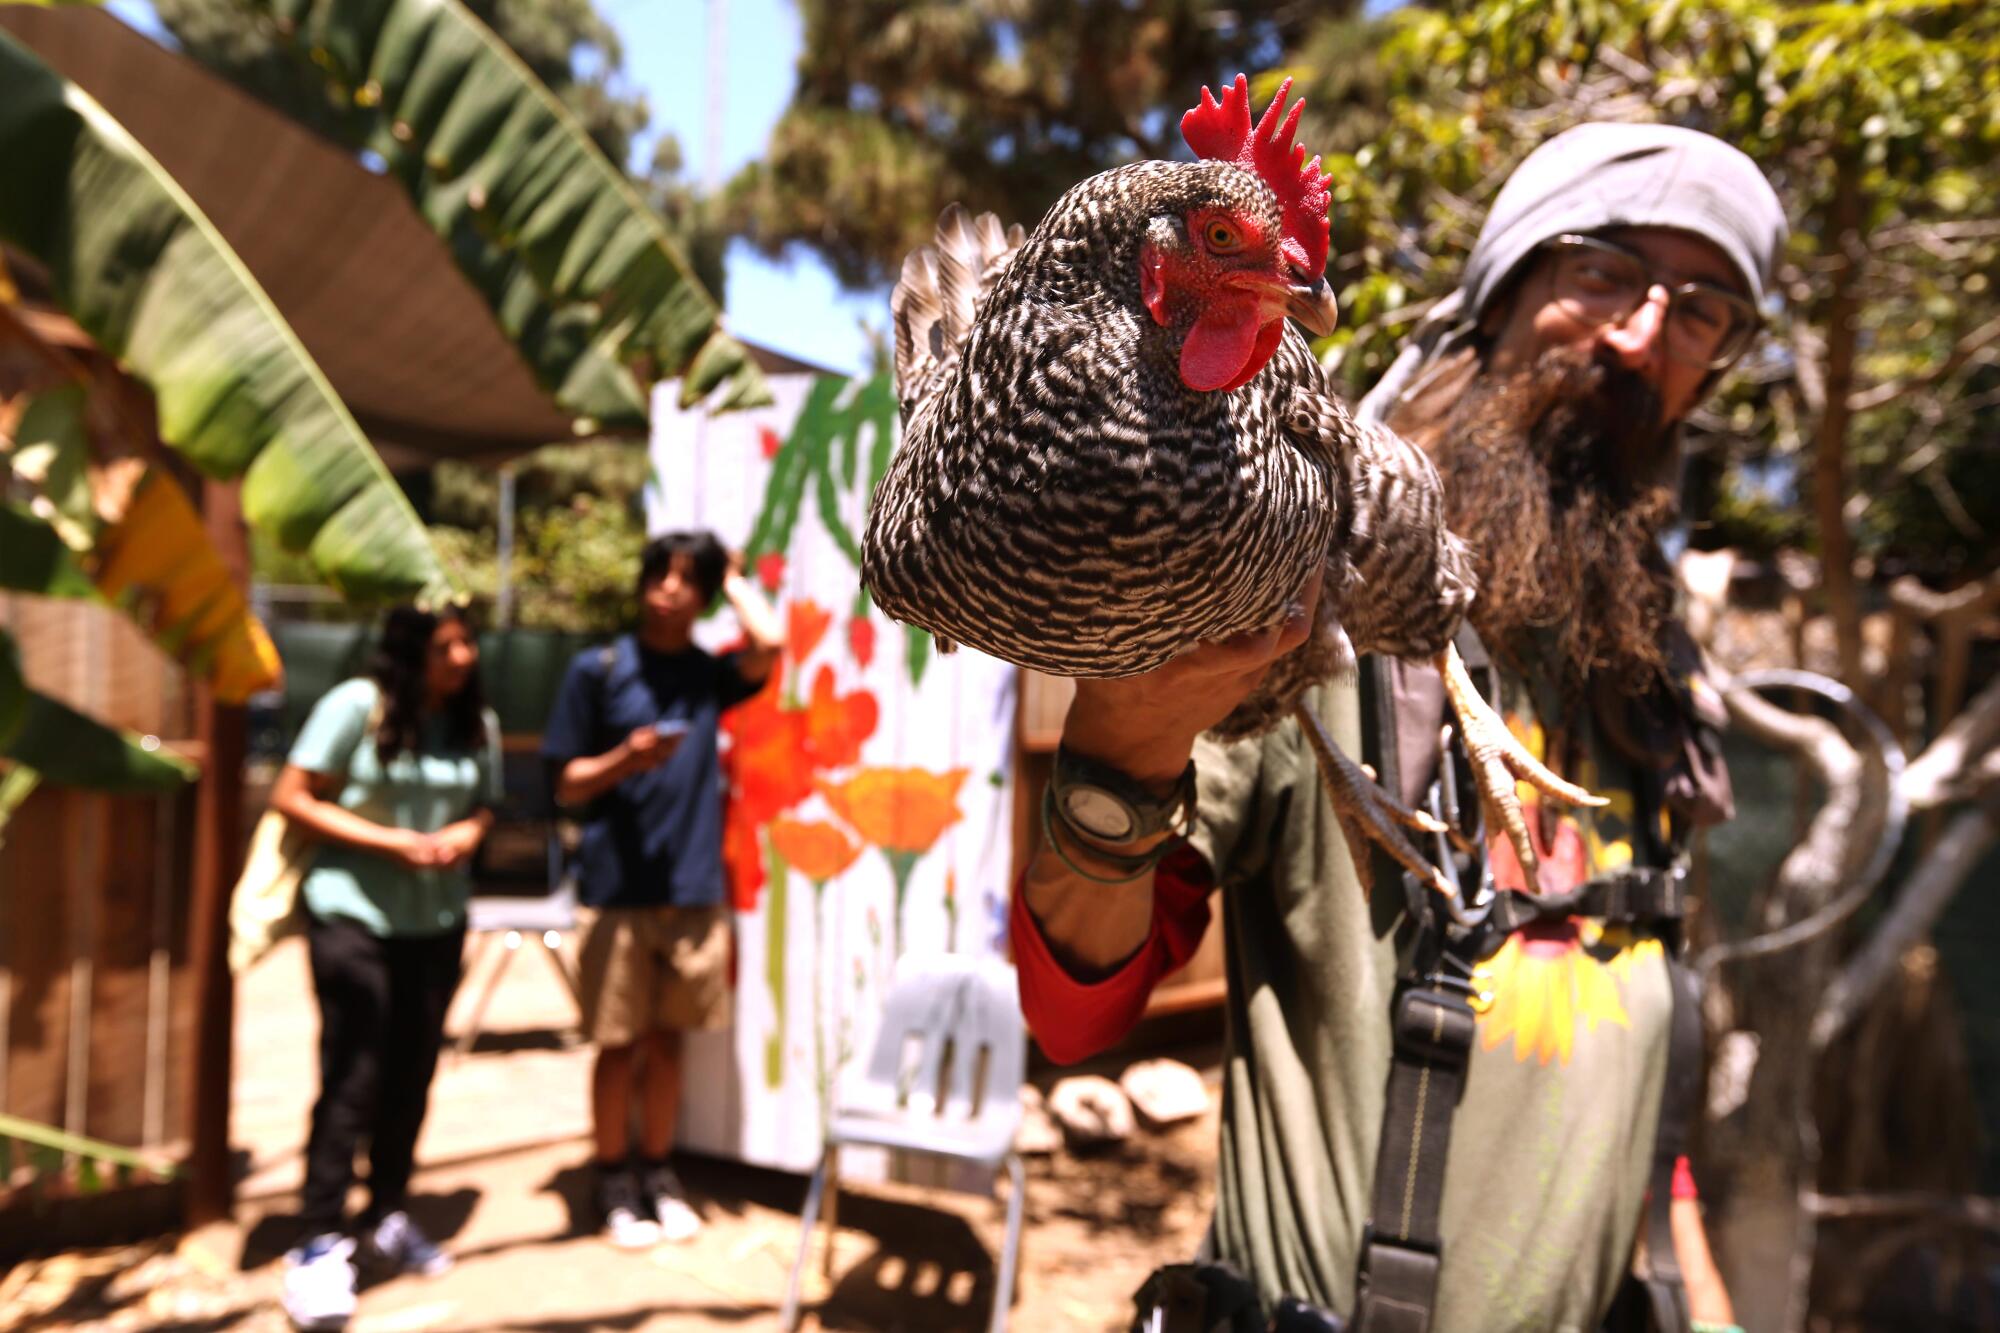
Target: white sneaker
point(402, 1245)
point(678, 1219)
point(626, 1222)
point(319, 1283)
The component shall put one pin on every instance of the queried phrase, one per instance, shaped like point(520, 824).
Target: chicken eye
point(1221, 237)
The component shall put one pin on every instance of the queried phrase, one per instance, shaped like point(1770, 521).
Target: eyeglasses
point(1601, 283)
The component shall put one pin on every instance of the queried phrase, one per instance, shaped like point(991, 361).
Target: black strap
point(1637, 895)
point(1402, 1250)
point(1666, 1294)
point(1197, 1298)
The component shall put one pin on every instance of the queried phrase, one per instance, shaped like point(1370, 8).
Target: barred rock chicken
point(1115, 448)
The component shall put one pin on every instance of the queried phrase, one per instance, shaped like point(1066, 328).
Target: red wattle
point(1266, 348)
point(1221, 343)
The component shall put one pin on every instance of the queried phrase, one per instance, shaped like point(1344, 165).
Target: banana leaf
point(34, 559)
point(64, 746)
point(46, 1146)
point(137, 265)
point(538, 218)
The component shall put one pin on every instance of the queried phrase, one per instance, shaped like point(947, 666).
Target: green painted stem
point(774, 966)
point(901, 865)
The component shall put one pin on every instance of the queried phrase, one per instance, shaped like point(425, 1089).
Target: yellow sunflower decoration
point(1544, 984)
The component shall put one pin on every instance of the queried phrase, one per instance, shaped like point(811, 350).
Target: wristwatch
point(1100, 802)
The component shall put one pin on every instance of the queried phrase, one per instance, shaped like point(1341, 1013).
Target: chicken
point(1115, 447)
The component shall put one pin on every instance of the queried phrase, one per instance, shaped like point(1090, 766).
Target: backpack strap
point(1660, 1275)
point(1401, 1251)
point(1636, 896)
point(1432, 1025)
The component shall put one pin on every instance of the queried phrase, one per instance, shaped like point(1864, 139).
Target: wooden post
point(223, 732)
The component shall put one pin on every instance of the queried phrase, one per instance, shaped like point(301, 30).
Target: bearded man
point(1461, 1115)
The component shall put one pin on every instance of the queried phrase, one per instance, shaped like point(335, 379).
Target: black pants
point(381, 1004)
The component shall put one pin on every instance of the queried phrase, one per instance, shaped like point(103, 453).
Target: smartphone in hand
point(671, 728)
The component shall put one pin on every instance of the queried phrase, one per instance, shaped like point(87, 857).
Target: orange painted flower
point(774, 755)
point(814, 848)
point(898, 809)
point(806, 622)
point(837, 724)
point(1544, 984)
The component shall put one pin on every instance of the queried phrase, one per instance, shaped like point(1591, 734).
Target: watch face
point(1098, 813)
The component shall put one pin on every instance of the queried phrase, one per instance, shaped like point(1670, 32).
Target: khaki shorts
point(653, 969)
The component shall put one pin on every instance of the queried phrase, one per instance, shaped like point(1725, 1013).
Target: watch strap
point(1151, 813)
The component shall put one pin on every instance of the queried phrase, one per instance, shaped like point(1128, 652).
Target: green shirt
point(1550, 1149)
point(423, 791)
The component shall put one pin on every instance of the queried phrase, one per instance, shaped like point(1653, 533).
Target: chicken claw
point(1498, 758)
point(1367, 812)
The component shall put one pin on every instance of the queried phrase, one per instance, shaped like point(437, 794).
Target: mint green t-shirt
point(1552, 1144)
point(423, 790)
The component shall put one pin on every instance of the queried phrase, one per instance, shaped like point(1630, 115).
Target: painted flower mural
point(859, 745)
point(902, 812)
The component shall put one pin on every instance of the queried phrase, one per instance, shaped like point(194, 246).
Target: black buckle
point(1398, 1288)
point(1434, 1025)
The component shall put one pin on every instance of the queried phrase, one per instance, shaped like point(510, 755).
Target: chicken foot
point(1367, 813)
point(1498, 758)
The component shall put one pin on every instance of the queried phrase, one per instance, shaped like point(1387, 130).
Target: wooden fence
point(97, 1008)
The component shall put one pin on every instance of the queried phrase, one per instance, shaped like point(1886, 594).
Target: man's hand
point(1145, 725)
point(646, 749)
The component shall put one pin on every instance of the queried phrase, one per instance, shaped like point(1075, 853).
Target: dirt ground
point(506, 1191)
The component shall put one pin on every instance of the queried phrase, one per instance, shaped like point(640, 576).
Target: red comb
point(1220, 131)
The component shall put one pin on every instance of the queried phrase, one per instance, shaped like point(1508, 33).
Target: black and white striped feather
point(1062, 500)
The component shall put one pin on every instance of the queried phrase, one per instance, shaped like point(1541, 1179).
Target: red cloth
point(1684, 1180)
point(1073, 1020)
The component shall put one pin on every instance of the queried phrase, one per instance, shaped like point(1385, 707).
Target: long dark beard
point(1552, 476)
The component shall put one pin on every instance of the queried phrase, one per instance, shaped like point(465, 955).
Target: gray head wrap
point(1587, 179)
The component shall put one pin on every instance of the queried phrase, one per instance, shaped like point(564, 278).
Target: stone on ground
point(1091, 1109)
point(1164, 1092)
point(1038, 1135)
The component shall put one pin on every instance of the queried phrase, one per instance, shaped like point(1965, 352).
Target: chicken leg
point(1498, 758)
point(1367, 813)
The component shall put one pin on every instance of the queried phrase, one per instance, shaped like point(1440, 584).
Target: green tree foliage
point(901, 108)
point(578, 527)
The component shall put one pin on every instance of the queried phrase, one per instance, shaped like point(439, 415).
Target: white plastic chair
point(959, 1098)
point(544, 922)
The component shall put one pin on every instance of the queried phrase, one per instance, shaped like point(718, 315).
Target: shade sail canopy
point(404, 338)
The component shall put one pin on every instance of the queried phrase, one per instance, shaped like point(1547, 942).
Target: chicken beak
point(1313, 306)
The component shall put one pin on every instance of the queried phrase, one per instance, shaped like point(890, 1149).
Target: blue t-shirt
point(654, 839)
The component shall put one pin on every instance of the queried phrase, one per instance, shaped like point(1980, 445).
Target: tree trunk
point(1767, 1151)
point(1830, 444)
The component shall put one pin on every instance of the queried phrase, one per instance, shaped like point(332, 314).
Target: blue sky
point(791, 306)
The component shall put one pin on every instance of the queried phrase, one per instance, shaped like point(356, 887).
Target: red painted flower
point(861, 640)
point(768, 441)
point(771, 570)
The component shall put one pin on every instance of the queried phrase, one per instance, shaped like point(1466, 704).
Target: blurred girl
point(393, 775)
